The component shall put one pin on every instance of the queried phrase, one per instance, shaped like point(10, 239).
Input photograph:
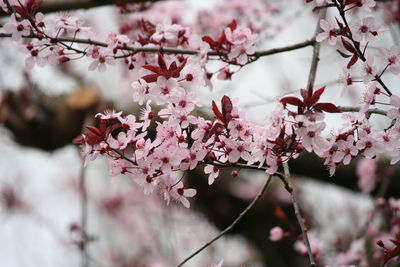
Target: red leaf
point(32, 6)
point(226, 105)
point(221, 39)
point(20, 10)
point(172, 66)
point(93, 130)
point(317, 94)
point(151, 78)
point(343, 54)
point(232, 25)
point(327, 107)
point(153, 69)
point(93, 139)
point(292, 101)
point(280, 214)
point(177, 71)
point(349, 47)
point(217, 112)
point(352, 61)
point(350, 2)
point(208, 40)
point(161, 62)
point(79, 140)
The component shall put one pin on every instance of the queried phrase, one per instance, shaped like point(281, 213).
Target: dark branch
point(57, 6)
point(135, 50)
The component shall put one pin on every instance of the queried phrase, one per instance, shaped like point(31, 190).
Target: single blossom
point(330, 31)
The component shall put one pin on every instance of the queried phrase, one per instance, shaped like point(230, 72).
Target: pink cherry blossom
point(181, 194)
point(391, 58)
point(276, 234)
point(99, 62)
point(369, 69)
point(330, 31)
point(213, 172)
point(366, 29)
point(366, 172)
point(17, 28)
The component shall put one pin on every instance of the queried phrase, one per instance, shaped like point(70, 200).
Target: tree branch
point(133, 50)
point(57, 6)
point(315, 56)
point(84, 215)
point(356, 109)
point(243, 213)
point(298, 216)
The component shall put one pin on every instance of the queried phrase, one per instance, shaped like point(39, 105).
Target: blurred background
point(52, 208)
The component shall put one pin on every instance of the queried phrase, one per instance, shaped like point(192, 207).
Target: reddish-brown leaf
point(349, 47)
point(177, 71)
point(151, 78)
point(153, 69)
point(343, 54)
point(292, 101)
point(317, 94)
point(79, 140)
point(352, 61)
point(226, 105)
point(327, 107)
point(161, 62)
point(232, 25)
point(216, 111)
point(208, 40)
point(280, 214)
point(93, 130)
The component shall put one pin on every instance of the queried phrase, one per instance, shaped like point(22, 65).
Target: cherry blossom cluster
point(184, 141)
point(351, 39)
point(375, 242)
point(65, 37)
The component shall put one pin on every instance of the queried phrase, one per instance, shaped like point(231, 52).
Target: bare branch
point(356, 109)
point(315, 56)
point(84, 215)
point(133, 50)
point(298, 216)
point(57, 6)
point(241, 215)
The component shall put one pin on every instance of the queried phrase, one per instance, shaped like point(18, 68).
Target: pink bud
point(276, 234)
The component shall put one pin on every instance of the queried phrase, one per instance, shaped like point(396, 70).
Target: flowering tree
point(168, 61)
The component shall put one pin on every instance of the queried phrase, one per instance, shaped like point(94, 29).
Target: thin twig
point(298, 216)
point(84, 216)
point(356, 109)
point(315, 55)
point(241, 215)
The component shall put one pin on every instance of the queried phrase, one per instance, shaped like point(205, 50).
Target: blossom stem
point(227, 229)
